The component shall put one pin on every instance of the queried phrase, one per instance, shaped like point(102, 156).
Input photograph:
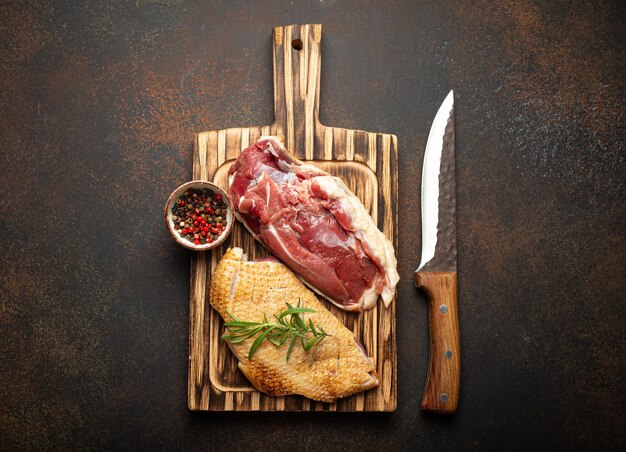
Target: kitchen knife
point(436, 275)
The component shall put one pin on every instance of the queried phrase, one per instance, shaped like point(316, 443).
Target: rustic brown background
point(98, 106)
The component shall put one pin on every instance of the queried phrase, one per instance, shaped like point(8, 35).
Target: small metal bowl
point(198, 185)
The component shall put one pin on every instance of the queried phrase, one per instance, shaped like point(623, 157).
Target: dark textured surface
point(98, 106)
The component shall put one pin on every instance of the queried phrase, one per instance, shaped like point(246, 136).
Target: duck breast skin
point(252, 291)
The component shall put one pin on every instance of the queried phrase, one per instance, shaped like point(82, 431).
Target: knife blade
point(436, 274)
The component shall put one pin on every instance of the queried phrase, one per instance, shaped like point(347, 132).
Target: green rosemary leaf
point(312, 327)
point(274, 341)
point(289, 324)
point(293, 341)
point(231, 315)
point(291, 311)
point(237, 338)
point(307, 346)
point(257, 342)
point(312, 342)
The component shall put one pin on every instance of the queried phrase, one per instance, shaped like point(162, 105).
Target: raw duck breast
point(314, 224)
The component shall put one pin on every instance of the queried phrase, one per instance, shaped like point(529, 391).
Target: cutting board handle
point(297, 62)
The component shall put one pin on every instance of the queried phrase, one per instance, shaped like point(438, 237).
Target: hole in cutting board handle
point(296, 44)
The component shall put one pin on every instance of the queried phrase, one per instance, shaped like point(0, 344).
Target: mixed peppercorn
point(199, 216)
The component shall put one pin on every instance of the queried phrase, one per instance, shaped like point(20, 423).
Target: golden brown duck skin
point(336, 368)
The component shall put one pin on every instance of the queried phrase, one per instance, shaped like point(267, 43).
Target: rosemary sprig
point(289, 325)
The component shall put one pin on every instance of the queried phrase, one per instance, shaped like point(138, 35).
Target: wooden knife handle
point(441, 394)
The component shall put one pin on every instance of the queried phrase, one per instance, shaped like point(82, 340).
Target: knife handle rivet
point(443, 397)
point(448, 354)
point(443, 308)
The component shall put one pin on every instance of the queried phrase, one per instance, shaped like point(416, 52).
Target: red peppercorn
point(182, 203)
point(184, 230)
point(195, 222)
point(196, 242)
point(196, 236)
point(204, 233)
point(191, 229)
point(218, 197)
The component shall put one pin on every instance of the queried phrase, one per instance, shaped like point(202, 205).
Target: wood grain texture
point(366, 161)
point(441, 394)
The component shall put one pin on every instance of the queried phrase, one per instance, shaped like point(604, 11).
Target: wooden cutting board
point(368, 164)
